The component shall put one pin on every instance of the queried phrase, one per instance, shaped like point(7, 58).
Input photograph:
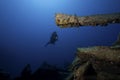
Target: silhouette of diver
point(53, 38)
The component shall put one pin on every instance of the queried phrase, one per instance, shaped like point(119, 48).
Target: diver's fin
point(47, 44)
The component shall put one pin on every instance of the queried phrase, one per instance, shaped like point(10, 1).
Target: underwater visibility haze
point(27, 25)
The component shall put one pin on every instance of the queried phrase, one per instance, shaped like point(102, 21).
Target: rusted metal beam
point(65, 21)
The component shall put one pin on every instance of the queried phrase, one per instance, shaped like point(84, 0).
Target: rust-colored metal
point(65, 21)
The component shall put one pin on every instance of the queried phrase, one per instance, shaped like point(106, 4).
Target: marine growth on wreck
point(96, 63)
point(65, 21)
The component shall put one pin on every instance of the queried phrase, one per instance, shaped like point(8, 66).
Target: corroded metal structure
point(96, 63)
point(64, 20)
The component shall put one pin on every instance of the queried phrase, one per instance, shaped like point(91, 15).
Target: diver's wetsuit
point(53, 38)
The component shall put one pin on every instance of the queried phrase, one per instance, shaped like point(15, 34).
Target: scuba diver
point(53, 38)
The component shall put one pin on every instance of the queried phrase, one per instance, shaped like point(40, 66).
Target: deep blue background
point(26, 26)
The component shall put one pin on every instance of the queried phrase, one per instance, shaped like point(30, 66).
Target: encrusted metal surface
point(64, 20)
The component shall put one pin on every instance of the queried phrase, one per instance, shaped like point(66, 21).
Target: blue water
point(26, 26)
